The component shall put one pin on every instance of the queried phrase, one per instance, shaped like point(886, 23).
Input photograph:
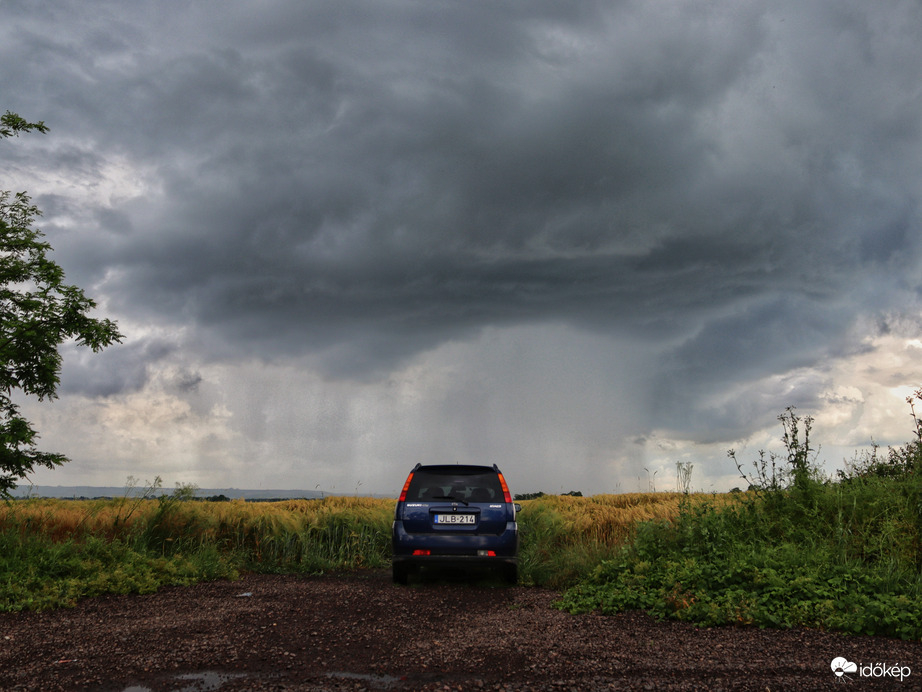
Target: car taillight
point(406, 486)
point(506, 495)
point(422, 552)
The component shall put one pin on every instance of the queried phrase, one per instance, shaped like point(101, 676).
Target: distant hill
point(90, 492)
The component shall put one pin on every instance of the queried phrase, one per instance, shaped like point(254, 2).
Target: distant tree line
point(535, 496)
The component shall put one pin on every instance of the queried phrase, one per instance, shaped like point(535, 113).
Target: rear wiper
point(450, 497)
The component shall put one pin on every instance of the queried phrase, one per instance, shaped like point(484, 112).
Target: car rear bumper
point(459, 561)
point(455, 547)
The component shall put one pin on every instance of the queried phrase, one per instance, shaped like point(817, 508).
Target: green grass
point(38, 574)
point(54, 552)
point(552, 552)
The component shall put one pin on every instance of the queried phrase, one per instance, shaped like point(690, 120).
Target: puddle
point(201, 682)
point(383, 680)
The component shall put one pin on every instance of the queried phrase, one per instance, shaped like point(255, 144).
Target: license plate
point(454, 519)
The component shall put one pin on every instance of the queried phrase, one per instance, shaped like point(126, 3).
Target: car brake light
point(422, 552)
point(406, 486)
point(506, 495)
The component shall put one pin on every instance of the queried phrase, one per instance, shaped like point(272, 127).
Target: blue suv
point(455, 516)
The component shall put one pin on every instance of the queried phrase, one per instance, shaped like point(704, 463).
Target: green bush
point(796, 551)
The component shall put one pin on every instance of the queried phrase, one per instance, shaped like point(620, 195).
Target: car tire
point(511, 574)
point(400, 573)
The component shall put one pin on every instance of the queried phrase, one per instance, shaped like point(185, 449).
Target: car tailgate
point(433, 517)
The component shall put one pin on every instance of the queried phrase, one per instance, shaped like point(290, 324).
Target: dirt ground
point(358, 631)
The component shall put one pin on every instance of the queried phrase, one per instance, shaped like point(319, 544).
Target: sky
point(585, 241)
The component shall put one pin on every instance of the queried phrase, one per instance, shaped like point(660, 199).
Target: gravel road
point(358, 631)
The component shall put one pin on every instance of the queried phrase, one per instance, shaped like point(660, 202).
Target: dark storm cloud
point(117, 370)
point(369, 180)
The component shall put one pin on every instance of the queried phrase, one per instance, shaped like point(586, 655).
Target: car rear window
point(455, 483)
